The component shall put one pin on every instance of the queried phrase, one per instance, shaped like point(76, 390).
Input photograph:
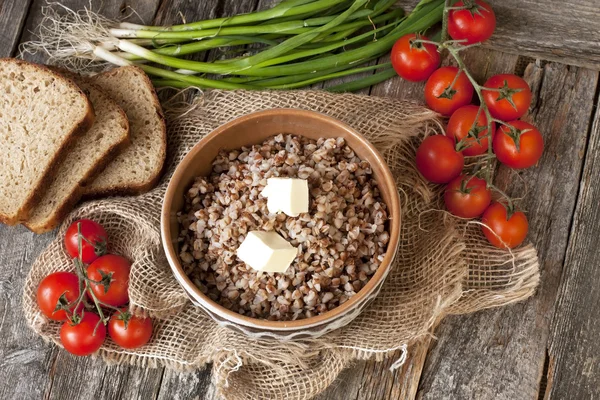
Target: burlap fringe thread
point(444, 265)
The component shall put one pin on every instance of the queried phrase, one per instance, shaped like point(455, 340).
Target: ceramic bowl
point(254, 129)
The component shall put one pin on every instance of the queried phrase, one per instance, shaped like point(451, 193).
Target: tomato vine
point(502, 100)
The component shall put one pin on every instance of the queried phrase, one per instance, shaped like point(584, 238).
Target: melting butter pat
point(266, 251)
point(286, 194)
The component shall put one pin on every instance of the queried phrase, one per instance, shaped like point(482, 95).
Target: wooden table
point(546, 347)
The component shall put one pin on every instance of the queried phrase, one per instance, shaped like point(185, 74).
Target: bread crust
point(129, 190)
point(65, 208)
point(81, 127)
point(77, 192)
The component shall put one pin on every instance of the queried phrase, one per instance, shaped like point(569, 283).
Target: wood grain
point(12, 18)
point(574, 346)
point(25, 359)
point(492, 354)
point(88, 378)
point(189, 385)
point(563, 31)
point(500, 353)
point(37, 369)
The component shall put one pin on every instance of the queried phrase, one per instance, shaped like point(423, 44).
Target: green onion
point(347, 72)
point(306, 53)
point(196, 47)
point(295, 44)
point(363, 83)
point(282, 80)
point(429, 14)
point(287, 28)
point(240, 64)
point(285, 8)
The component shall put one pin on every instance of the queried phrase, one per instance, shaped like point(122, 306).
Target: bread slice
point(90, 154)
point(137, 169)
point(41, 113)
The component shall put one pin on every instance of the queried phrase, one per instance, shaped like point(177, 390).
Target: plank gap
point(51, 372)
point(159, 386)
point(522, 63)
point(544, 378)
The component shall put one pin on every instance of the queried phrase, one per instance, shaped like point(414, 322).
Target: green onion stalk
point(295, 44)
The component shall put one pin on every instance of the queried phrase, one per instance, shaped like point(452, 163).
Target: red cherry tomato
point(129, 331)
point(94, 244)
point(85, 337)
point(437, 159)
point(475, 23)
point(442, 98)
point(50, 291)
point(467, 197)
point(461, 127)
point(513, 99)
point(113, 273)
point(502, 231)
point(519, 146)
point(414, 61)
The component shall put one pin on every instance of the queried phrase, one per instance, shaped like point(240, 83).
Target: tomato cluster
point(491, 129)
point(102, 280)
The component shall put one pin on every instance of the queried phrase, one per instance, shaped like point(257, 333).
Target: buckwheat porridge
point(341, 240)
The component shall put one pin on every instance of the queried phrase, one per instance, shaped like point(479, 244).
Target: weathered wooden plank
point(564, 31)
point(371, 380)
point(574, 347)
point(500, 353)
point(12, 18)
point(191, 384)
point(37, 369)
point(24, 357)
point(88, 378)
point(187, 385)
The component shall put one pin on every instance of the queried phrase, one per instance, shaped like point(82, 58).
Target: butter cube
point(266, 251)
point(287, 194)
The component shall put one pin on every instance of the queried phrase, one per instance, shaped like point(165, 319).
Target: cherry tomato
point(129, 331)
point(461, 127)
point(503, 231)
point(442, 98)
point(475, 23)
point(467, 197)
point(519, 146)
point(52, 289)
point(113, 274)
point(437, 159)
point(93, 243)
point(414, 61)
point(84, 337)
point(513, 99)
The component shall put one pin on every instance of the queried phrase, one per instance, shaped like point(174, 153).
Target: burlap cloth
point(444, 265)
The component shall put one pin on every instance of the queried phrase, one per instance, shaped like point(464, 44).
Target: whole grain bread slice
point(41, 114)
point(90, 154)
point(137, 169)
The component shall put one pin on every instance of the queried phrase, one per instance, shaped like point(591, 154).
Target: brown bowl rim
point(232, 316)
